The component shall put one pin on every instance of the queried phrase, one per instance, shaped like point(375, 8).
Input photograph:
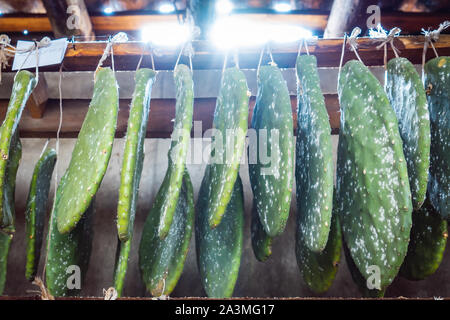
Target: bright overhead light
point(166, 8)
point(25, 32)
point(282, 7)
point(167, 34)
point(224, 6)
point(107, 10)
point(233, 32)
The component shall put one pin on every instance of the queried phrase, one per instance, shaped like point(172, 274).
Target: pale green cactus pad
point(66, 250)
point(272, 176)
point(373, 193)
point(179, 145)
point(427, 245)
point(6, 234)
point(36, 210)
point(319, 268)
point(161, 261)
point(405, 91)
point(219, 250)
point(230, 122)
point(133, 155)
point(261, 242)
point(90, 155)
point(314, 157)
point(437, 85)
point(24, 83)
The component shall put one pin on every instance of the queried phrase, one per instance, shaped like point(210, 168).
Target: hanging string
point(225, 61)
point(179, 56)
point(236, 58)
point(272, 62)
point(431, 36)
point(5, 52)
point(300, 46)
point(342, 58)
point(306, 46)
point(120, 37)
point(382, 36)
point(352, 40)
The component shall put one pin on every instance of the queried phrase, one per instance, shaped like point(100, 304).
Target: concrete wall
point(278, 277)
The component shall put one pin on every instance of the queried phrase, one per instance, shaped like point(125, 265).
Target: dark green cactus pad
point(64, 250)
point(314, 157)
point(358, 278)
point(427, 245)
point(261, 242)
point(6, 234)
point(231, 120)
point(133, 155)
point(121, 265)
point(373, 193)
point(180, 143)
point(5, 243)
point(24, 83)
point(219, 250)
point(405, 91)
point(161, 261)
point(319, 268)
point(437, 85)
point(272, 177)
point(90, 155)
point(37, 208)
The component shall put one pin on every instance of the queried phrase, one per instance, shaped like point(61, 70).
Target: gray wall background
point(277, 277)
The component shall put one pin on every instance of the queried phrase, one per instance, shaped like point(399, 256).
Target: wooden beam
point(160, 124)
point(69, 18)
point(316, 21)
point(38, 100)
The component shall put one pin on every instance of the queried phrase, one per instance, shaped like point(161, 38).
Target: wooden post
point(69, 18)
point(38, 99)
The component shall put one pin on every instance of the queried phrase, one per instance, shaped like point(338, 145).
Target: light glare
point(282, 7)
point(224, 6)
point(108, 10)
point(166, 8)
point(234, 32)
point(165, 34)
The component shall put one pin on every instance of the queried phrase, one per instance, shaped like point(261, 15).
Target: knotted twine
point(431, 36)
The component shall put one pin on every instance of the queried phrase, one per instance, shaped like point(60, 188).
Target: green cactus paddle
point(133, 155)
point(261, 242)
point(272, 177)
point(314, 158)
point(66, 250)
point(319, 268)
point(373, 193)
point(36, 209)
point(437, 85)
point(161, 261)
point(219, 250)
point(427, 245)
point(179, 145)
point(407, 96)
point(90, 155)
point(24, 83)
point(6, 235)
point(230, 125)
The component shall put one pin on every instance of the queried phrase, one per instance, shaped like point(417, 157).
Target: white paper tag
point(53, 54)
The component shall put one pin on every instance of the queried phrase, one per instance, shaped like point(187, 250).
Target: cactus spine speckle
point(179, 146)
point(36, 209)
point(272, 179)
point(230, 122)
point(427, 245)
point(314, 158)
point(373, 193)
point(437, 85)
point(219, 250)
point(133, 155)
point(24, 83)
point(408, 99)
point(90, 155)
point(162, 261)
